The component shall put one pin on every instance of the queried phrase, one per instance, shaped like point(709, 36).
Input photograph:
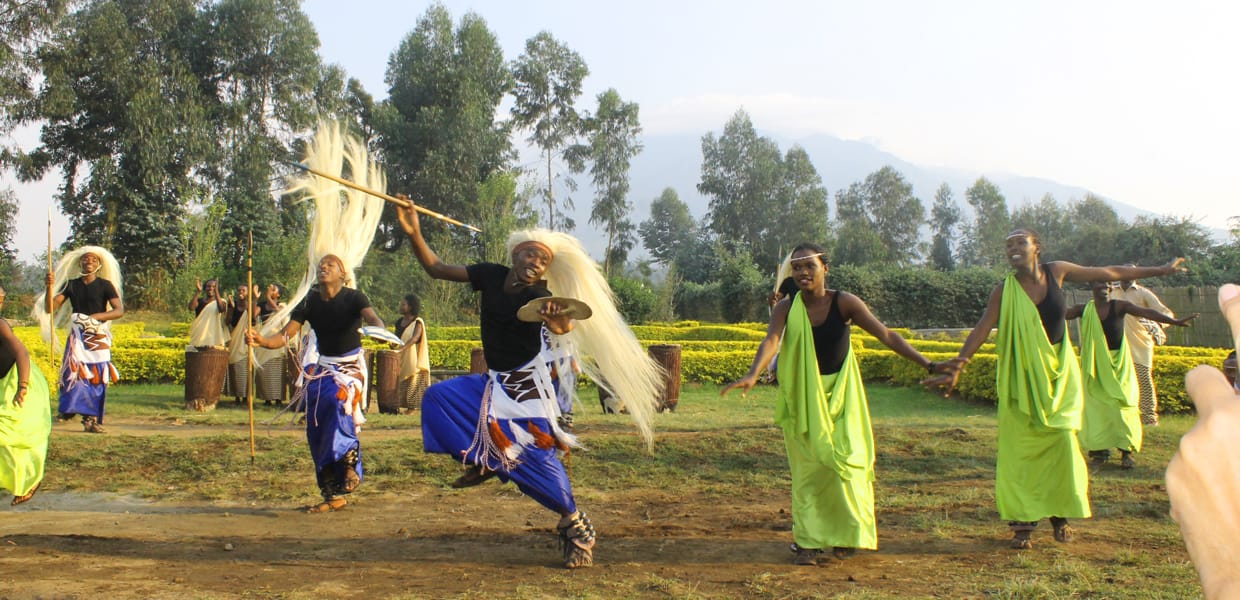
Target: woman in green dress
point(1040, 471)
point(823, 410)
point(1112, 418)
point(25, 417)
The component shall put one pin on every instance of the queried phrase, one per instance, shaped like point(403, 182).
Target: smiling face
point(211, 288)
point(90, 263)
point(273, 292)
point(1021, 249)
point(530, 262)
point(808, 270)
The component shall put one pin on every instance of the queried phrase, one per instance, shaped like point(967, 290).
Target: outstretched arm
point(434, 267)
point(766, 349)
point(1153, 315)
point(1075, 272)
point(855, 311)
point(976, 338)
point(370, 317)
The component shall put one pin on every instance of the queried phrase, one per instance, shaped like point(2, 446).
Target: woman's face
point(243, 292)
point(808, 270)
point(404, 308)
point(1021, 250)
point(211, 288)
point(1100, 289)
point(273, 292)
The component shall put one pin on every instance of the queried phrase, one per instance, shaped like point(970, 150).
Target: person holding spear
point(95, 297)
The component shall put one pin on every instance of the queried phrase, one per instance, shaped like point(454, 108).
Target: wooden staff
point(249, 315)
point(378, 194)
point(51, 318)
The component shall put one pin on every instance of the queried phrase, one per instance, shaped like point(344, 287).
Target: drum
point(387, 376)
point(205, 373)
point(477, 362)
point(668, 357)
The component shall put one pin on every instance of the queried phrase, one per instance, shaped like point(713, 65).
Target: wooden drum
point(387, 375)
point(205, 373)
point(668, 356)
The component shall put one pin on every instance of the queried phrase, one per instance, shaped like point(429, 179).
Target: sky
point(1136, 101)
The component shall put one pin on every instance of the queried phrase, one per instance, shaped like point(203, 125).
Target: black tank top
point(1113, 327)
point(1053, 309)
point(831, 339)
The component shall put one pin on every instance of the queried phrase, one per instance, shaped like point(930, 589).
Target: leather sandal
point(333, 505)
point(27, 496)
point(472, 476)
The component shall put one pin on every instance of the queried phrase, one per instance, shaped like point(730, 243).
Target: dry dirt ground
point(488, 541)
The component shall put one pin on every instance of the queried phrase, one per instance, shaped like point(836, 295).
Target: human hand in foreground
point(1203, 478)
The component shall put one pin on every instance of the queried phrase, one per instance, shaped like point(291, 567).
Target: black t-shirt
point(89, 299)
point(335, 322)
point(507, 342)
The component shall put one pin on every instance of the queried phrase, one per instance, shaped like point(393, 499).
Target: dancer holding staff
point(822, 408)
point(95, 297)
point(1040, 472)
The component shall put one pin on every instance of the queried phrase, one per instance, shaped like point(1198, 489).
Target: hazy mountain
point(675, 161)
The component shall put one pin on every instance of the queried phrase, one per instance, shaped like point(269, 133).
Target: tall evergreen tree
point(944, 217)
point(983, 242)
point(548, 79)
point(611, 143)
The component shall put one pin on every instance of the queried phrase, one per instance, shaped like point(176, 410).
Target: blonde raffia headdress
point(343, 220)
point(607, 349)
point(70, 267)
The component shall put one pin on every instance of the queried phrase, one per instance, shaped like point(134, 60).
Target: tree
point(802, 201)
point(548, 79)
point(983, 242)
point(883, 205)
point(944, 217)
point(1051, 223)
point(742, 174)
point(437, 129)
point(265, 84)
point(1095, 227)
point(669, 230)
point(611, 135)
point(24, 27)
point(124, 121)
point(8, 226)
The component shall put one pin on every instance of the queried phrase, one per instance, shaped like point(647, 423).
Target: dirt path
point(489, 541)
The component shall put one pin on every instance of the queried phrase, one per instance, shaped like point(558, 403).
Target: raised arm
point(766, 348)
point(1129, 308)
point(854, 310)
point(431, 262)
point(1075, 272)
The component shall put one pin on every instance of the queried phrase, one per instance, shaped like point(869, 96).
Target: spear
point(249, 315)
point(51, 320)
point(378, 194)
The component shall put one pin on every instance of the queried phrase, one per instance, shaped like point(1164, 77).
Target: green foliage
point(741, 288)
point(944, 219)
point(635, 300)
point(881, 215)
point(548, 77)
point(611, 143)
point(983, 241)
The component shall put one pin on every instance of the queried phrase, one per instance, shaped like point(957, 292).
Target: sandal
point(1022, 540)
point(24, 498)
point(351, 480)
point(332, 505)
point(806, 557)
point(472, 476)
point(577, 539)
point(1063, 533)
point(1127, 462)
point(842, 553)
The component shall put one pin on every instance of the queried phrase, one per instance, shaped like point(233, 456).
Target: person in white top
point(1141, 339)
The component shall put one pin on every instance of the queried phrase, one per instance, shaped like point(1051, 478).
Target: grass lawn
point(721, 457)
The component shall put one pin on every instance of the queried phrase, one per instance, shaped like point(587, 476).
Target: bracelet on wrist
point(930, 367)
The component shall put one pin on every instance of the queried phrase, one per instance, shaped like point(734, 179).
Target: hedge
point(710, 354)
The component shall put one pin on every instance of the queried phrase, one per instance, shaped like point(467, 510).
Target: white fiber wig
point(608, 351)
point(70, 267)
point(343, 220)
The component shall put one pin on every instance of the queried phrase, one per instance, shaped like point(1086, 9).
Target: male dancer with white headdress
point(505, 422)
point(95, 299)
